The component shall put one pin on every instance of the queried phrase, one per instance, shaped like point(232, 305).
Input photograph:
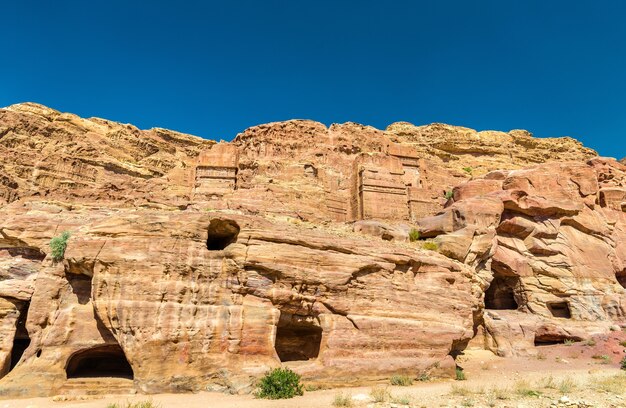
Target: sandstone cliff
point(198, 265)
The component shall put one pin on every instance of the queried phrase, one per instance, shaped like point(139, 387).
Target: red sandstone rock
point(194, 264)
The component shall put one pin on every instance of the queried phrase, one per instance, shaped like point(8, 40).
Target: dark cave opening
point(21, 341)
point(550, 339)
point(560, 309)
point(297, 338)
point(101, 361)
point(221, 233)
point(501, 293)
point(539, 341)
point(621, 278)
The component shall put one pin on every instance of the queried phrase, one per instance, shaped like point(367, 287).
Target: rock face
point(194, 299)
point(62, 156)
point(297, 168)
point(557, 269)
point(198, 265)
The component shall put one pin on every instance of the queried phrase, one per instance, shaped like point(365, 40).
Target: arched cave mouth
point(298, 338)
point(221, 233)
point(560, 309)
point(501, 293)
point(101, 361)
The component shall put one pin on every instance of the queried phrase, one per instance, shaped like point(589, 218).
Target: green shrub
point(414, 235)
point(430, 246)
point(623, 363)
point(460, 375)
point(279, 383)
point(448, 194)
point(468, 170)
point(58, 246)
point(401, 380)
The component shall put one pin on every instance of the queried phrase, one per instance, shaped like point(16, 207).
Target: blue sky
point(214, 68)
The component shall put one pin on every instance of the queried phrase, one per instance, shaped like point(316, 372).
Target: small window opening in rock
point(221, 233)
point(297, 338)
point(310, 171)
point(501, 293)
point(102, 361)
point(21, 341)
point(560, 309)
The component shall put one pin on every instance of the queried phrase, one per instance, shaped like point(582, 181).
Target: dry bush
point(401, 380)
point(380, 394)
point(342, 400)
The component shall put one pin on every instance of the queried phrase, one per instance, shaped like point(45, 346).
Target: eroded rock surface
point(557, 265)
point(199, 265)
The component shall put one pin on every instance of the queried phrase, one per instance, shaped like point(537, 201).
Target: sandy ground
point(587, 374)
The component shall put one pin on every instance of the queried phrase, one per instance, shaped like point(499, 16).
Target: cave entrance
point(101, 361)
point(221, 233)
point(621, 278)
point(550, 339)
point(21, 341)
point(501, 293)
point(298, 338)
point(560, 309)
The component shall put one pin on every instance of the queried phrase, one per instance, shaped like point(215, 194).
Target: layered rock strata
point(198, 265)
point(558, 262)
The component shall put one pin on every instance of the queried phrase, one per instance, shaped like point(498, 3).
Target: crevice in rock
point(364, 271)
point(340, 313)
point(458, 346)
point(299, 242)
point(298, 338)
point(221, 233)
point(273, 275)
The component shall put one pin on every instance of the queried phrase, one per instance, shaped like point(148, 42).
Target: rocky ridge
point(198, 265)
